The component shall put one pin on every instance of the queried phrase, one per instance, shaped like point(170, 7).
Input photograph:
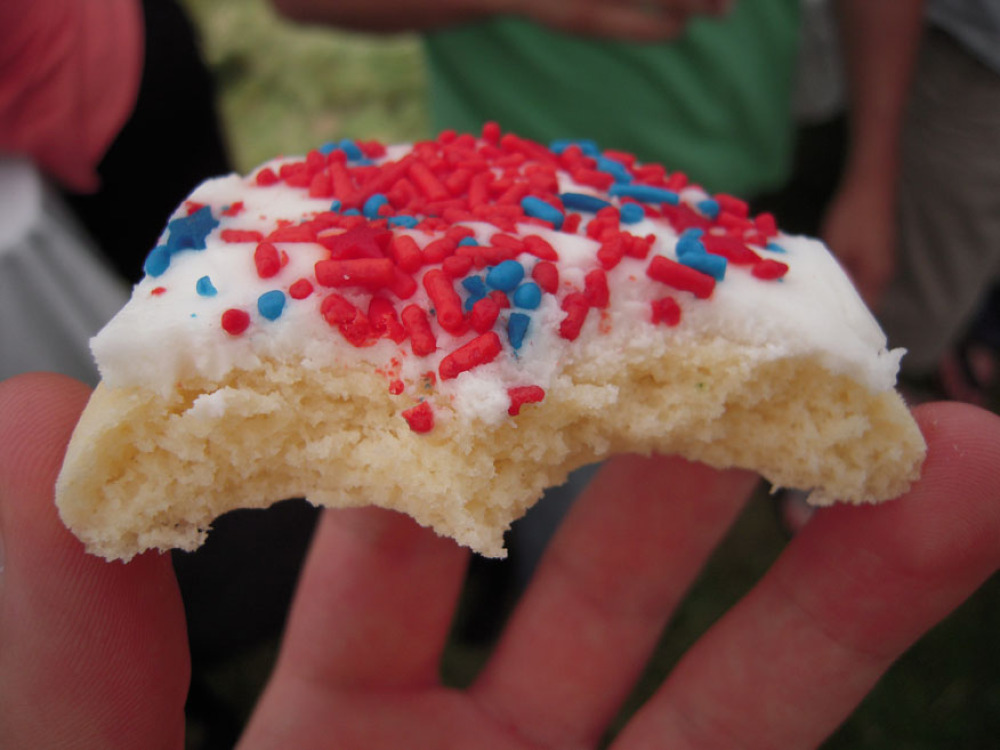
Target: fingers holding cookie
point(622, 560)
point(106, 643)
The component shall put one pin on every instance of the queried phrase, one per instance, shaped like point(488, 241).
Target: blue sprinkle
point(468, 241)
point(352, 150)
point(615, 168)
point(693, 232)
point(505, 276)
point(403, 221)
point(475, 285)
point(157, 261)
point(327, 148)
point(527, 296)
point(517, 327)
point(190, 232)
point(352, 212)
point(271, 304)
point(713, 265)
point(583, 202)
point(645, 193)
point(336, 204)
point(373, 204)
point(476, 288)
point(632, 213)
point(774, 247)
point(539, 209)
point(588, 147)
point(205, 287)
point(689, 244)
point(709, 207)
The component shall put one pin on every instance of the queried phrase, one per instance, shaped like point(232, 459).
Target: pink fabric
point(69, 77)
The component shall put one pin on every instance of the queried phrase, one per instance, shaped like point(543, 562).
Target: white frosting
point(168, 331)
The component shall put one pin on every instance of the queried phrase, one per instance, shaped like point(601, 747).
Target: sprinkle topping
point(467, 250)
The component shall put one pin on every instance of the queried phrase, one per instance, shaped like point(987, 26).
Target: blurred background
point(284, 89)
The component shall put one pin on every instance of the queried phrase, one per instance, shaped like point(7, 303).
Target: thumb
point(92, 654)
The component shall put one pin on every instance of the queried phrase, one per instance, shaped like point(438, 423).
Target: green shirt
point(714, 103)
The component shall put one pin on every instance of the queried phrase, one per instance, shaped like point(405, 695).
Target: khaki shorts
point(949, 204)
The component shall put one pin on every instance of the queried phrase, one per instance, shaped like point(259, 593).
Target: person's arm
point(643, 20)
point(880, 39)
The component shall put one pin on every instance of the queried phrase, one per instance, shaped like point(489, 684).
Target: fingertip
point(107, 639)
point(945, 531)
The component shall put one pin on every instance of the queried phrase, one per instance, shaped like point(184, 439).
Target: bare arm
point(646, 20)
point(880, 40)
point(388, 15)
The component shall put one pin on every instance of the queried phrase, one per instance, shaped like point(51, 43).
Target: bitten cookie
point(447, 328)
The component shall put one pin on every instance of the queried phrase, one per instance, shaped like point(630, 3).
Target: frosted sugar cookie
point(447, 328)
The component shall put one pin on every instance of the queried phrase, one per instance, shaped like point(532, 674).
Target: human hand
point(631, 20)
point(859, 227)
point(93, 653)
point(634, 20)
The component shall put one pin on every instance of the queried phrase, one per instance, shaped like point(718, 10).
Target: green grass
point(284, 89)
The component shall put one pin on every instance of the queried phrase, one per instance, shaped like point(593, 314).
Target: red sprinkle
point(369, 273)
point(158, 291)
point(546, 275)
point(611, 251)
point(396, 387)
point(540, 247)
point(766, 224)
point(576, 307)
point(682, 277)
point(769, 269)
point(733, 205)
point(241, 235)
point(596, 288)
point(267, 260)
point(266, 177)
point(418, 327)
point(731, 248)
point(447, 303)
point(501, 298)
point(420, 417)
point(406, 252)
point(427, 182)
point(403, 285)
point(666, 310)
point(457, 266)
point(293, 233)
point(491, 132)
point(235, 322)
point(382, 315)
point(524, 394)
point(484, 314)
point(482, 349)
point(349, 320)
point(300, 289)
point(438, 250)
